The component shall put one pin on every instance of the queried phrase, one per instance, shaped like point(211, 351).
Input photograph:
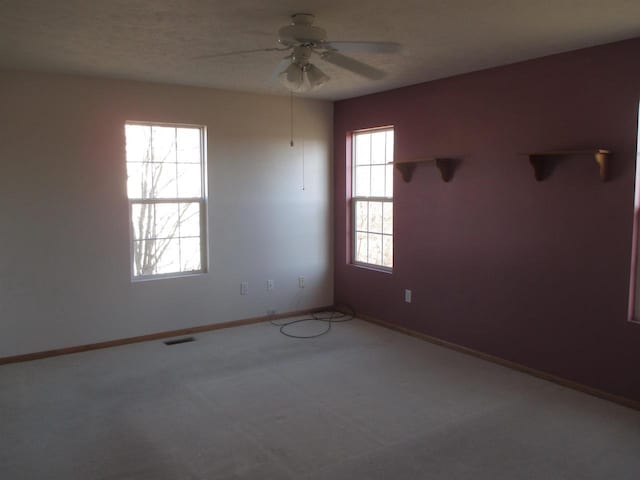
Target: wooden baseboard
point(154, 336)
point(627, 402)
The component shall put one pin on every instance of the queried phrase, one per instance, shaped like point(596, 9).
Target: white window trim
point(354, 199)
point(203, 200)
point(633, 313)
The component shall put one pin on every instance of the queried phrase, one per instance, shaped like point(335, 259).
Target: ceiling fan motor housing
point(301, 55)
point(301, 32)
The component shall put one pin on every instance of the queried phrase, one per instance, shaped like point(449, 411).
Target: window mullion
point(166, 200)
point(374, 199)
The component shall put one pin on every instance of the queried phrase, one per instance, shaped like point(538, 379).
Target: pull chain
point(291, 144)
point(291, 115)
point(303, 164)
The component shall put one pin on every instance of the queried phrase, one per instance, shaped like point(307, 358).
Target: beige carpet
point(362, 402)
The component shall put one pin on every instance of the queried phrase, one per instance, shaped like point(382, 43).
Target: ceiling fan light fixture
point(292, 77)
point(316, 77)
point(302, 78)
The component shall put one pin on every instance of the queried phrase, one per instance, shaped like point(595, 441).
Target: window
point(167, 199)
point(372, 197)
point(634, 289)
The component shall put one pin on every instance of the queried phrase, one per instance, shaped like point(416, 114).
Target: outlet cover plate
point(407, 295)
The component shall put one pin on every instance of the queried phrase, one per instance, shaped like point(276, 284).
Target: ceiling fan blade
point(240, 52)
point(364, 47)
point(352, 65)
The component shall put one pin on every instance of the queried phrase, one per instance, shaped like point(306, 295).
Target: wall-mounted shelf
point(445, 165)
point(539, 160)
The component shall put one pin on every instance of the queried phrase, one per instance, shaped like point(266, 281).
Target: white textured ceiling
point(156, 40)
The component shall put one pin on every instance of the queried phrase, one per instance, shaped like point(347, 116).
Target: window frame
point(202, 200)
point(353, 199)
point(633, 309)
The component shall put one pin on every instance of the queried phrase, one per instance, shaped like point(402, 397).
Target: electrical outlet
point(270, 285)
point(244, 288)
point(301, 282)
point(407, 296)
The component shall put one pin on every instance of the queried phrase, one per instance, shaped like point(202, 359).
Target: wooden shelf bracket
point(602, 159)
point(406, 170)
point(446, 166)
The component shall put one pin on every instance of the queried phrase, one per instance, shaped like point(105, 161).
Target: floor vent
point(179, 340)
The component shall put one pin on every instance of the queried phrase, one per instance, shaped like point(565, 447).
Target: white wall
point(64, 234)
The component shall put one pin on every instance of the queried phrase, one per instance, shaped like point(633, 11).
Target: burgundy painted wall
point(532, 272)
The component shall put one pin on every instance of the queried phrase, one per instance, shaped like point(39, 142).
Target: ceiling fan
point(304, 40)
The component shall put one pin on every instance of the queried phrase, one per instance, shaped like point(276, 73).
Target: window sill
point(374, 268)
point(167, 276)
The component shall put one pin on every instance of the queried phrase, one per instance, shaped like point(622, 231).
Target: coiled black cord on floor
point(329, 318)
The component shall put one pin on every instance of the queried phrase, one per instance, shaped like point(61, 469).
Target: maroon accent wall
point(532, 272)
